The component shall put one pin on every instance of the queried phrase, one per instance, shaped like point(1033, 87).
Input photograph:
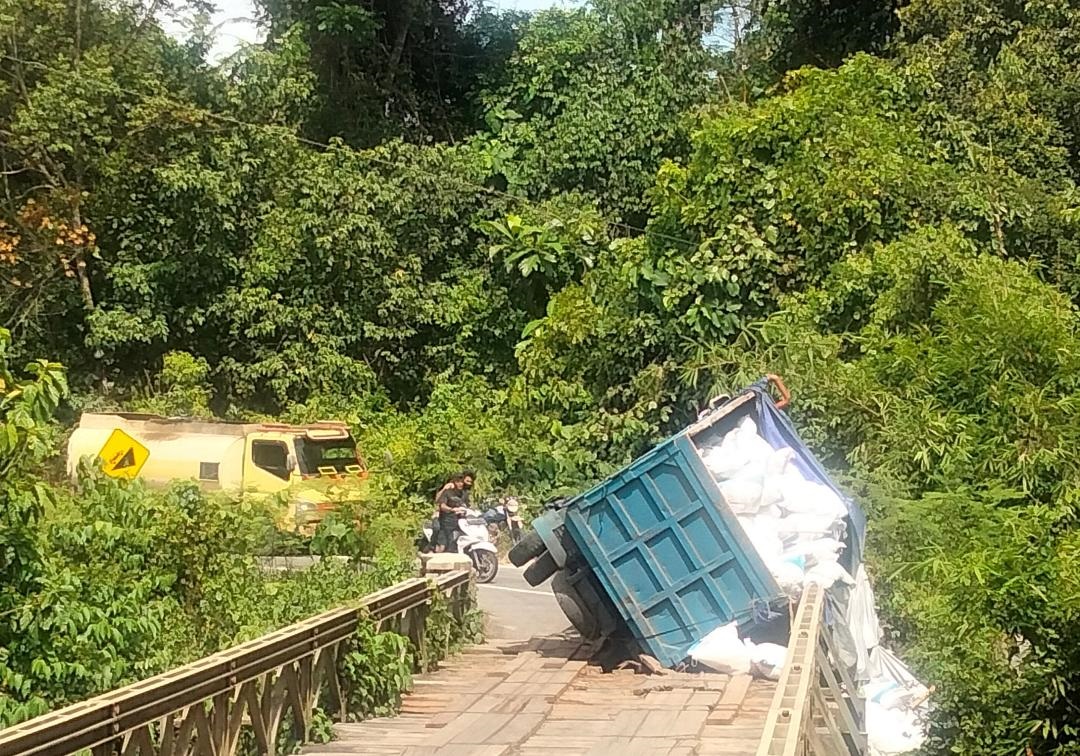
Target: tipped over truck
point(699, 551)
point(658, 554)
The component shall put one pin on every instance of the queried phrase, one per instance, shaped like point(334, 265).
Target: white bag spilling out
point(789, 576)
point(863, 624)
point(817, 552)
point(827, 574)
point(722, 651)
point(766, 659)
point(896, 707)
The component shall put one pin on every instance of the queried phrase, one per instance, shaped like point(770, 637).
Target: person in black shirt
point(467, 478)
point(451, 507)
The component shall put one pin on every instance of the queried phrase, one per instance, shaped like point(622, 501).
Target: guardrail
point(202, 708)
point(816, 710)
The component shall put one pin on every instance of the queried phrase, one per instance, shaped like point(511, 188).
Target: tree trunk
point(408, 10)
point(81, 269)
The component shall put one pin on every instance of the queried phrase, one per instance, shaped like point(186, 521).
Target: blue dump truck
point(656, 554)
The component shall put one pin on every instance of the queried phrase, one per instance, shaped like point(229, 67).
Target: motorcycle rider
point(467, 479)
point(451, 501)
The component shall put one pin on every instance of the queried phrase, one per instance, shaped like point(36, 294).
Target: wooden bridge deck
point(542, 698)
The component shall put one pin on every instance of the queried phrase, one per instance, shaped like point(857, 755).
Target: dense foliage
point(109, 583)
point(533, 245)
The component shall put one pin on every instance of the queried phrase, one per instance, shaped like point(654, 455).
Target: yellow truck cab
point(317, 464)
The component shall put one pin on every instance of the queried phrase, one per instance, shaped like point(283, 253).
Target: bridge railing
point(204, 708)
point(816, 710)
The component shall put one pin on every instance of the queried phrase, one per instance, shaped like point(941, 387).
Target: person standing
point(451, 507)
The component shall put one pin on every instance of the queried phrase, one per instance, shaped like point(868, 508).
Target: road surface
point(515, 610)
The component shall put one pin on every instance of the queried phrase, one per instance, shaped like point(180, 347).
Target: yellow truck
point(317, 465)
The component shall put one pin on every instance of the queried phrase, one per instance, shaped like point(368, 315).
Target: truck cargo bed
point(669, 553)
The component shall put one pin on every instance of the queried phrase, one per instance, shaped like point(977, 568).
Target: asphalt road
point(517, 611)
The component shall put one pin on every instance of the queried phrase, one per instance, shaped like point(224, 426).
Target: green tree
point(594, 100)
point(71, 76)
point(26, 409)
point(1012, 75)
point(406, 69)
point(790, 34)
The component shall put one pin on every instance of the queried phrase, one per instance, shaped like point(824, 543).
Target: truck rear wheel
point(529, 547)
point(540, 570)
point(574, 607)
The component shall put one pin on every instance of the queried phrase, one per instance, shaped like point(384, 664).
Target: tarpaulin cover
point(775, 427)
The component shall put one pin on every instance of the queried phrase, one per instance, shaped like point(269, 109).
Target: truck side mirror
point(290, 462)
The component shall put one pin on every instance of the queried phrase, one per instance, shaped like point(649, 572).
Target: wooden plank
point(731, 700)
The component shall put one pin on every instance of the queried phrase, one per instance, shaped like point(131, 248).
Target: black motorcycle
point(503, 513)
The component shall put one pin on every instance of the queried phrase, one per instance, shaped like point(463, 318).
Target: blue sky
point(235, 24)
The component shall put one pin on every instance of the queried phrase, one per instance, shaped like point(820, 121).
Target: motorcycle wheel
point(486, 564)
point(516, 534)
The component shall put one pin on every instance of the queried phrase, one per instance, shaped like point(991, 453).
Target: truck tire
point(574, 607)
point(540, 570)
point(529, 547)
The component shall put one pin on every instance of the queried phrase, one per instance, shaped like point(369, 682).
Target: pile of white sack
point(724, 651)
point(797, 527)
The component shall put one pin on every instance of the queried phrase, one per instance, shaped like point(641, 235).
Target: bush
point(132, 582)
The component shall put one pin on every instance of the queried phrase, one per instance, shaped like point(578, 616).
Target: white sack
point(891, 732)
point(722, 651)
point(896, 707)
point(777, 468)
point(863, 624)
point(814, 526)
point(766, 659)
point(742, 452)
point(817, 551)
point(724, 460)
point(789, 576)
point(742, 494)
point(800, 496)
point(827, 574)
point(750, 443)
point(761, 530)
point(772, 511)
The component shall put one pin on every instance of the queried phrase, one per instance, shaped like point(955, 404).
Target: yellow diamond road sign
point(122, 456)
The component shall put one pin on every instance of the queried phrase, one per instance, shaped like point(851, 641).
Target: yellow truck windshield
point(318, 457)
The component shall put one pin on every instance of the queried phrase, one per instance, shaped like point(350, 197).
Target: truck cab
point(314, 467)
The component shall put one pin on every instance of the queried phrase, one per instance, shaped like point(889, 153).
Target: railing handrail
point(815, 709)
point(790, 706)
point(105, 717)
